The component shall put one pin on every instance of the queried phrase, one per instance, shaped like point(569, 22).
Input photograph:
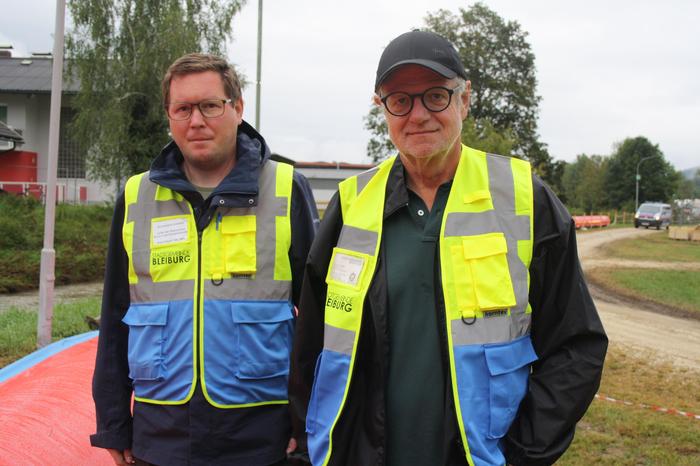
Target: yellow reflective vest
point(485, 252)
point(212, 306)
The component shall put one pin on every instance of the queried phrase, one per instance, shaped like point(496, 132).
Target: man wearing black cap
point(444, 318)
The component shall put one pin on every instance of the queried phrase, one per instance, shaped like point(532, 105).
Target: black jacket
point(566, 331)
point(194, 433)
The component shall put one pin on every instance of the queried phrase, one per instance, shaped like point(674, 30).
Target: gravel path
point(30, 299)
point(658, 336)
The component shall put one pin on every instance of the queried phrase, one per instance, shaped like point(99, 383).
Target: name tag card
point(169, 231)
point(346, 268)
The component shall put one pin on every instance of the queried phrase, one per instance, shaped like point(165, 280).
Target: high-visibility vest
point(215, 305)
point(485, 252)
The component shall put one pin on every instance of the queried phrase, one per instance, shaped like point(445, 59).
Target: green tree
point(119, 51)
point(686, 189)
point(554, 177)
point(481, 134)
point(583, 183)
point(501, 68)
point(379, 146)
point(659, 179)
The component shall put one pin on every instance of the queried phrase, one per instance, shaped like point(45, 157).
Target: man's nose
point(196, 118)
point(418, 110)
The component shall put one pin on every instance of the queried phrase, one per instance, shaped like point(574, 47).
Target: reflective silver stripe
point(516, 227)
point(495, 329)
point(471, 223)
point(262, 285)
point(248, 289)
point(357, 239)
point(500, 219)
point(146, 291)
point(338, 339)
point(141, 213)
point(364, 177)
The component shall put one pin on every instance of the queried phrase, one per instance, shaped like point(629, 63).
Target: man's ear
point(377, 101)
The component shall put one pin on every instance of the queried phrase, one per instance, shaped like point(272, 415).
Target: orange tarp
point(47, 413)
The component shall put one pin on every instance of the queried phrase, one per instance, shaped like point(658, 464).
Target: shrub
point(80, 241)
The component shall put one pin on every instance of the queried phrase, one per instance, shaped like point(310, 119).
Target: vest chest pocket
point(481, 274)
point(239, 252)
point(509, 368)
point(263, 338)
point(147, 334)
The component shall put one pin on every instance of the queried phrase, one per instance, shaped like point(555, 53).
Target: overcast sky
point(606, 70)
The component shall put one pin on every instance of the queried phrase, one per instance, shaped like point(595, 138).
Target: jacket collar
point(396, 189)
point(242, 181)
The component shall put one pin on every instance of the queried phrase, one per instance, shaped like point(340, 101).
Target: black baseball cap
point(422, 48)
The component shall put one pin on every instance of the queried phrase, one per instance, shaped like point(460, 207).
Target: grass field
point(628, 435)
point(654, 247)
point(18, 327)
point(677, 288)
point(80, 242)
point(673, 287)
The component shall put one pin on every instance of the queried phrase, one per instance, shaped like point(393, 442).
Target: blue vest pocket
point(147, 335)
point(509, 366)
point(264, 338)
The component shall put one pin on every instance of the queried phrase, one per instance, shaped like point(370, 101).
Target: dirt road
point(658, 336)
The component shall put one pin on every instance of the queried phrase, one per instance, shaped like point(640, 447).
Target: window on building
point(71, 157)
point(4, 145)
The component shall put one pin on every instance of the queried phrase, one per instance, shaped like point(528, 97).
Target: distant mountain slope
point(689, 173)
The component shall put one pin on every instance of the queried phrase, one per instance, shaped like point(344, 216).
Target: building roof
point(327, 165)
point(30, 75)
point(8, 134)
point(335, 165)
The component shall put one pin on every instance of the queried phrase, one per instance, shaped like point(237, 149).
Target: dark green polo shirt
point(415, 392)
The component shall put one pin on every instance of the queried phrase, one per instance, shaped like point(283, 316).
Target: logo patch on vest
point(346, 269)
point(339, 301)
point(170, 257)
point(174, 230)
point(495, 313)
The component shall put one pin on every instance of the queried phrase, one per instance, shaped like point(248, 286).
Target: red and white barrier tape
point(658, 409)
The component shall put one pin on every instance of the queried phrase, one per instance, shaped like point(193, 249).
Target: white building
point(25, 102)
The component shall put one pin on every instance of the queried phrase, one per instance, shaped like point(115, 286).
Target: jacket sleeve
point(308, 338)
point(304, 220)
point(568, 337)
point(111, 386)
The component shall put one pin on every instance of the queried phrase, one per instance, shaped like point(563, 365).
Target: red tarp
point(47, 413)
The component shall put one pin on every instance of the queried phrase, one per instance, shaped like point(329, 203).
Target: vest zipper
point(199, 316)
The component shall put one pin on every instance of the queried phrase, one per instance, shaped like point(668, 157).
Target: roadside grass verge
point(18, 327)
point(679, 289)
point(617, 434)
point(80, 241)
point(655, 247)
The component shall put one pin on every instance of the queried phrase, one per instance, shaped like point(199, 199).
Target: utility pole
point(48, 253)
point(259, 71)
point(636, 187)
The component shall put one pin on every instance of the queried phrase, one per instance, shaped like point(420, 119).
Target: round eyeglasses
point(208, 108)
point(435, 99)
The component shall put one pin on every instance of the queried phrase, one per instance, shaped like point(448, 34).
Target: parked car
point(653, 214)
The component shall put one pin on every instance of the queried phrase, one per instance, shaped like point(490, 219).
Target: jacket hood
point(251, 152)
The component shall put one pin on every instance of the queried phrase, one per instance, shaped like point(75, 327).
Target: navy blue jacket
point(196, 432)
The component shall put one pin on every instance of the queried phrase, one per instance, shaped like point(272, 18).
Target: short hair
point(200, 63)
